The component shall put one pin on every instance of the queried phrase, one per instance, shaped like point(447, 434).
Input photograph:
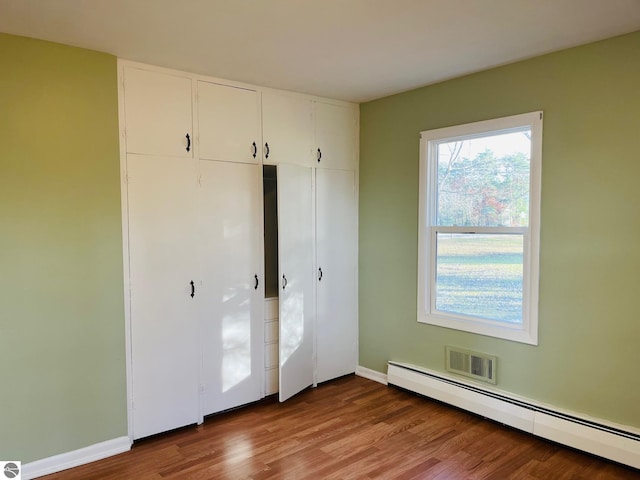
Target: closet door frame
point(121, 64)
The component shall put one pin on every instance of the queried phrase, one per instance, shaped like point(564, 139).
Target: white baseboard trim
point(371, 374)
point(75, 458)
point(620, 443)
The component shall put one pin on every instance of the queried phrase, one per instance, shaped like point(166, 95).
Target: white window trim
point(527, 332)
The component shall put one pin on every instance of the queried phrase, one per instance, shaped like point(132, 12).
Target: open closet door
point(295, 270)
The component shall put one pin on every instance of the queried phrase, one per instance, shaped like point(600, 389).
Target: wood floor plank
point(351, 428)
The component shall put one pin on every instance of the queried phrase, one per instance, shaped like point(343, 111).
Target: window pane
point(480, 275)
point(484, 181)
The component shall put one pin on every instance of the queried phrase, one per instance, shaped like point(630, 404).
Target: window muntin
point(479, 227)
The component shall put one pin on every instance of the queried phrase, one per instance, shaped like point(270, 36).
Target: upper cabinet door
point(228, 123)
point(287, 127)
point(158, 115)
point(336, 136)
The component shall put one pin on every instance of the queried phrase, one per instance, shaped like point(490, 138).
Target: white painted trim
point(230, 83)
point(314, 259)
point(527, 331)
point(196, 77)
point(604, 444)
point(124, 196)
point(491, 389)
point(357, 232)
point(503, 412)
point(75, 458)
point(620, 444)
point(371, 374)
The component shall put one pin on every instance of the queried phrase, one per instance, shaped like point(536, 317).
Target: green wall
point(589, 325)
point(62, 347)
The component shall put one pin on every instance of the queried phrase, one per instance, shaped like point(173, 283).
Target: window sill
point(517, 333)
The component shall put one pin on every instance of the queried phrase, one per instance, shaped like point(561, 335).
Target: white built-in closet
point(226, 188)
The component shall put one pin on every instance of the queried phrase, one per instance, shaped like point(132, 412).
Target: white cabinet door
point(337, 325)
point(295, 269)
point(228, 123)
point(287, 127)
point(164, 328)
point(336, 136)
point(232, 301)
point(157, 113)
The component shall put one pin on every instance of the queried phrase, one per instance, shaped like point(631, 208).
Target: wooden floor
point(349, 428)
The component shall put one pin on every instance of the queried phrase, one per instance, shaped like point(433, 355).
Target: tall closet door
point(295, 270)
point(157, 113)
point(232, 302)
point(337, 326)
point(164, 329)
point(229, 123)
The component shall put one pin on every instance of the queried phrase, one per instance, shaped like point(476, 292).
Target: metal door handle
point(266, 145)
point(284, 282)
point(256, 285)
point(188, 142)
point(193, 289)
point(319, 274)
point(255, 149)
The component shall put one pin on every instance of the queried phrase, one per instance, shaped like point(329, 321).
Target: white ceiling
point(354, 50)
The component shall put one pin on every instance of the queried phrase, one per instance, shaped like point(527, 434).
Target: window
point(479, 227)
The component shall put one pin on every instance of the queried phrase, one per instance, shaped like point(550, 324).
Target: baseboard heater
point(613, 442)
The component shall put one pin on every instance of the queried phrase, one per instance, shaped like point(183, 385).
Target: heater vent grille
point(471, 364)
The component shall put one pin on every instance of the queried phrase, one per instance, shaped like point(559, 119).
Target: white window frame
point(527, 331)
